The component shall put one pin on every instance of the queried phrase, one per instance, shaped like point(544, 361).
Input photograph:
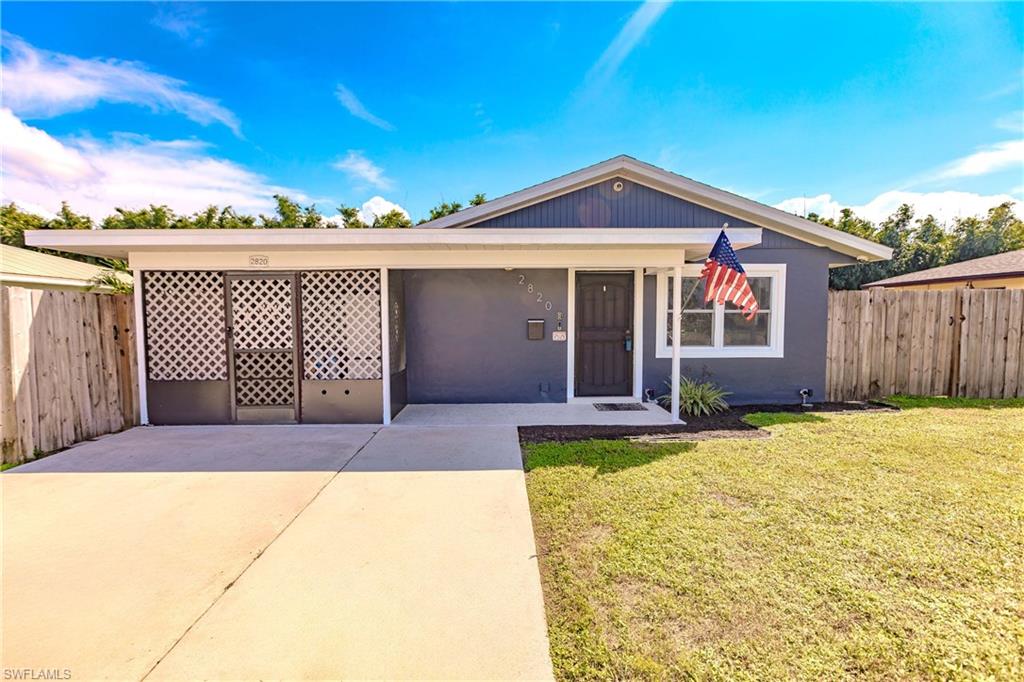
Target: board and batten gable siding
point(763, 380)
point(598, 205)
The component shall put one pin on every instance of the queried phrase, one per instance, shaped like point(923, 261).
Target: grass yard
point(877, 545)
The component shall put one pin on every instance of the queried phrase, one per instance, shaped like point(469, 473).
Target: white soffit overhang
point(121, 243)
point(675, 185)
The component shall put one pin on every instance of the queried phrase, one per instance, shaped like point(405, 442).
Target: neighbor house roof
point(1009, 264)
point(23, 266)
point(677, 185)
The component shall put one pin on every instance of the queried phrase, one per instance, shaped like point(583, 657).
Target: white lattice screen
point(261, 313)
point(264, 340)
point(341, 325)
point(185, 326)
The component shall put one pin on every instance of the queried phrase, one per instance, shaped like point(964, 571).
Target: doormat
point(619, 407)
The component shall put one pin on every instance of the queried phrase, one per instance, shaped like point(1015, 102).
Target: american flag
point(725, 280)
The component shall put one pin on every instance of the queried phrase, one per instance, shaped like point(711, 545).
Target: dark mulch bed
point(727, 424)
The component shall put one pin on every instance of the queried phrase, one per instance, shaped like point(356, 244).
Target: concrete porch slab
point(528, 414)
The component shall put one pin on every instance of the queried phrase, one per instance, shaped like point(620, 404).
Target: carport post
point(677, 303)
point(140, 346)
point(385, 348)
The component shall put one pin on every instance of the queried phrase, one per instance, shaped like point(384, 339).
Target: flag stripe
point(726, 281)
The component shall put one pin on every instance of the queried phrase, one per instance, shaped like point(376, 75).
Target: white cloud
point(43, 84)
point(349, 100)
point(362, 170)
point(127, 171)
point(991, 159)
point(377, 206)
point(622, 45)
point(183, 19)
point(1012, 122)
point(943, 205)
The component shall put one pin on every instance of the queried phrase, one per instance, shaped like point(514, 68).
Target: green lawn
point(878, 545)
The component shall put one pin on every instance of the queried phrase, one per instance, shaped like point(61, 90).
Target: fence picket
point(65, 377)
point(896, 341)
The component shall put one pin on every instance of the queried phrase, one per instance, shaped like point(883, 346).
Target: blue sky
point(804, 106)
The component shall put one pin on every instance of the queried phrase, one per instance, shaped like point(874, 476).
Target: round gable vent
point(617, 185)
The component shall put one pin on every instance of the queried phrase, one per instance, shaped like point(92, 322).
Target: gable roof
point(24, 266)
point(1007, 264)
point(676, 185)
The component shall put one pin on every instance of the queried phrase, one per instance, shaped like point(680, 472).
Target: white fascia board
point(40, 280)
point(119, 243)
point(336, 259)
point(676, 185)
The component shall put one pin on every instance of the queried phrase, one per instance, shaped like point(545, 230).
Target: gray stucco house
point(563, 291)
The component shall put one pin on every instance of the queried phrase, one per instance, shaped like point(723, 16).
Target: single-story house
point(1001, 271)
point(34, 270)
point(561, 292)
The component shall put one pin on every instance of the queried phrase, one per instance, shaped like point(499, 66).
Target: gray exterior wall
point(600, 206)
point(466, 336)
point(763, 380)
point(396, 341)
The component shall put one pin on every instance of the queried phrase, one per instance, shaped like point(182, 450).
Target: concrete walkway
point(531, 414)
point(275, 552)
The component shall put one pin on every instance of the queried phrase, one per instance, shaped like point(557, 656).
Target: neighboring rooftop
point(26, 267)
point(1009, 264)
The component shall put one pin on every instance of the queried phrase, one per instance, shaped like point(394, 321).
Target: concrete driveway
point(274, 552)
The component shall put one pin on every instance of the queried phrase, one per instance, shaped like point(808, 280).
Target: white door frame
point(638, 338)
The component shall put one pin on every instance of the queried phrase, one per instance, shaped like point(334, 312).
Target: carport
point(348, 326)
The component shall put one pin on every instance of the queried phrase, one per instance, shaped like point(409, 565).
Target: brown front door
point(604, 334)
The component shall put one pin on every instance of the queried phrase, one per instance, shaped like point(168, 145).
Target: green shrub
point(697, 397)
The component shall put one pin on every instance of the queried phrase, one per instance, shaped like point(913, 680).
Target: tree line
point(923, 243)
point(288, 214)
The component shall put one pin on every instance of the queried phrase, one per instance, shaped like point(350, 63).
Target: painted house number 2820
point(530, 288)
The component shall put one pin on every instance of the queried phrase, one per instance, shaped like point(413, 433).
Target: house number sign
point(559, 334)
point(534, 291)
point(259, 261)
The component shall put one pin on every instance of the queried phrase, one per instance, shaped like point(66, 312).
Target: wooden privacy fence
point(959, 342)
point(67, 368)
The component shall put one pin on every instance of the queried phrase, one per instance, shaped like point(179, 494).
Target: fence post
point(957, 320)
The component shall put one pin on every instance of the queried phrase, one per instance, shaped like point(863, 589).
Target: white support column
point(140, 347)
point(385, 347)
point(570, 336)
point(677, 299)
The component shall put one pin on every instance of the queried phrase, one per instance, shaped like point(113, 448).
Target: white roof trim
point(119, 243)
point(18, 278)
point(676, 185)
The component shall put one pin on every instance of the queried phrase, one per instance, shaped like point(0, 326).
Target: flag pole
point(677, 308)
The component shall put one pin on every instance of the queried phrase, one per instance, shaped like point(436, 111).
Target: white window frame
point(776, 328)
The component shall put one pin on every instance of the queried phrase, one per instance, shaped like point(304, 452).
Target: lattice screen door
point(262, 348)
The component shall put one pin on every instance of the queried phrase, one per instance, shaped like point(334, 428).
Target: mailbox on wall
point(535, 330)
